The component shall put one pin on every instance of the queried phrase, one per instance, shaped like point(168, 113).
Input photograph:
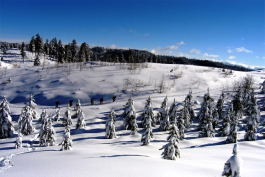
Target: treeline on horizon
point(71, 52)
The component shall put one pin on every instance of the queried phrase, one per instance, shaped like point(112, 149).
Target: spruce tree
point(171, 149)
point(61, 52)
point(148, 133)
point(173, 112)
point(68, 118)
point(110, 127)
point(23, 51)
point(237, 102)
point(233, 164)
point(25, 121)
point(33, 107)
point(32, 45)
point(43, 116)
point(38, 44)
point(74, 50)
point(6, 126)
point(164, 122)
point(225, 129)
point(251, 127)
point(81, 120)
point(189, 104)
point(47, 134)
point(129, 115)
point(186, 112)
point(162, 111)
point(67, 142)
point(220, 105)
point(208, 130)
point(181, 124)
point(57, 115)
point(215, 118)
point(148, 113)
point(232, 136)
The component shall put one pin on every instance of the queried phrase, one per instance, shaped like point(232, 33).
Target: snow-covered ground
point(92, 154)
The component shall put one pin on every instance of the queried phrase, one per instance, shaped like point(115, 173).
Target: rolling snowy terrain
point(93, 154)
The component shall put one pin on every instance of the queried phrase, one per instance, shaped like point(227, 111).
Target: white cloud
point(144, 35)
point(229, 50)
point(242, 49)
point(242, 38)
point(132, 31)
point(180, 54)
point(263, 57)
point(257, 56)
point(197, 51)
point(212, 56)
point(172, 47)
point(113, 46)
point(231, 57)
point(181, 43)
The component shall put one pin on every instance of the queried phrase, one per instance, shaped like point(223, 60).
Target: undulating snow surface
point(93, 154)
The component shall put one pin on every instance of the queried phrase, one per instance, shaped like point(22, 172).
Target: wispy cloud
point(181, 43)
point(132, 31)
point(197, 51)
point(231, 57)
point(172, 47)
point(143, 35)
point(113, 46)
point(242, 38)
point(263, 57)
point(211, 56)
point(242, 49)
point(257, 56)
point(229, 50)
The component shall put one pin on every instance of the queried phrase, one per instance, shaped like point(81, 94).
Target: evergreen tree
point(171, 150)
point(23, 51)
point(206, 108)
point(32, 45)
point(215, 118)
point(263, 87)
point(67, 120)
point(232, 165)
point(129, 115)
point(173, 133)
point(19, 141)
point(134, 130)
point(238, 104)
point(110, 127)
point(162, 111)
point(67, 142)
point(57, 115)
point(43, 116)
point(25, 121)
point(164, 123)
point(189, 105)
point(251, 127)
point(83, 53)
point(181, 124)
point(68, 54)
point(6, 126)
point(33, 107)
point(61, 52)
point(46, 47)
point(148, 113)
point(47, 133)
point(74, 50)
point(38, 44)
point(81, 120)
point(225, 129)
point(37, 61)
point(148, 133)
point(173, 112)
point(186, 112)
point(220, 105)
point(232, 136)
point(208, 130)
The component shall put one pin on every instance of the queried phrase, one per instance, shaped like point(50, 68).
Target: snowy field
point(92, 154)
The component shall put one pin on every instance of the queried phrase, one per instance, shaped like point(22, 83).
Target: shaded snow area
point(94, 155)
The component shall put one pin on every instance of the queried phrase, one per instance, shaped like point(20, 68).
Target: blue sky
point(227, 30)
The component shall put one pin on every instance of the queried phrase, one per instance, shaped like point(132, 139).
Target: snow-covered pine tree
point(68, 118)
point(206, 107)
point(56, 118)
point(164, 122)
point(171, 149)
point(47, 133)
point(181, 124)
point(81, 120)
point(233, 164)
point(173, 112)
point(43, 116)
point(232, 136)
point(225, 129)
point(6, 126)
point(19, 141)
point(67, 142)
point(208, 130)
point(251, 127)
point(173, 133)
point(113, 114)
point(162, 111)
point(189, 103)
point(25, 121)
point(220, 105)
point(134, 130)
point(237, 102)
point(33, 107)
point(77, 109)
point(263, 87)
point(215, 118)
point(148, 113)
point(186, 114)
point(110, 127)
point(148, 133)
point(129, 115)
point(37, 61)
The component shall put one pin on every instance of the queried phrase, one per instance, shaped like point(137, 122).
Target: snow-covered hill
point(92, 154)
